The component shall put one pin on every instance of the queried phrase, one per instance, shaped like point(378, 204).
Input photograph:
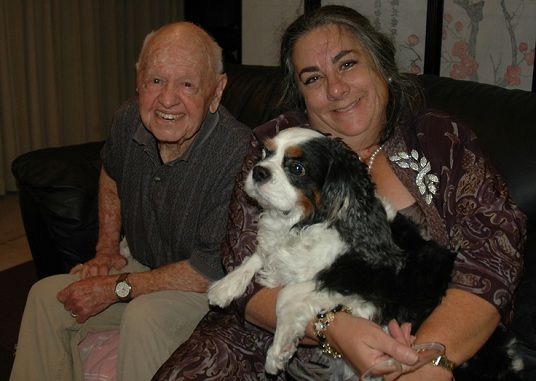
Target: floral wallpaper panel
point(403, 20)
point(489, 41)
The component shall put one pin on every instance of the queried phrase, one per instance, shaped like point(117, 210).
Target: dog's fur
point(327, 238)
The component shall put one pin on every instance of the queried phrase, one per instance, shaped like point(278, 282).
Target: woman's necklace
point(372, 157)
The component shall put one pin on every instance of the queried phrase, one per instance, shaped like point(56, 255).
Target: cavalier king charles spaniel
point(329, 240)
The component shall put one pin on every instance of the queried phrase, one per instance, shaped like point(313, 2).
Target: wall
point(489, 41)
point(263, 22)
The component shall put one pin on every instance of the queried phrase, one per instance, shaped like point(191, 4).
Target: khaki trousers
point(151, 327)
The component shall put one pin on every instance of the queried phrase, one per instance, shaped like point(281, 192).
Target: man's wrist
point(107, 250)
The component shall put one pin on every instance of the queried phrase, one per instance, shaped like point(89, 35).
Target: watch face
point(122, 289)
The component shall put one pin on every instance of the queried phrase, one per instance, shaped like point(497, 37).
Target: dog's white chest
point(294, 256)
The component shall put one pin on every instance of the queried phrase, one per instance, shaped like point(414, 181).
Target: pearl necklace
point(372, 157)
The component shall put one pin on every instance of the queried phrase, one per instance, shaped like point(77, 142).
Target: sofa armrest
point(58, 200)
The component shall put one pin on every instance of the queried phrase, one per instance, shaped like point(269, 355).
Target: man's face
point(177, 86)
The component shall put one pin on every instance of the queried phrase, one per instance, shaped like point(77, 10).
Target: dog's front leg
point(234, 284)
point(297, 305)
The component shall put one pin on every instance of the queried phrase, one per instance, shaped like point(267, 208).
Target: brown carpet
point(14, 286)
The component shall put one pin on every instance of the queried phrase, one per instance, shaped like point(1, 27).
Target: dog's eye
point(296, 168)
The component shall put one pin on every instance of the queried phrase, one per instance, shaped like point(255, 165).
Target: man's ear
point(218, 92)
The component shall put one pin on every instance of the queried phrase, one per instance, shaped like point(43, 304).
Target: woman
point(341, 73)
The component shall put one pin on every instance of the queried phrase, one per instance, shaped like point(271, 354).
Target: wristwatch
point(123, 289)
point(444, 362)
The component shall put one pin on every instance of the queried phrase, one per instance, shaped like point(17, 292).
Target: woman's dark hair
point(405, 95)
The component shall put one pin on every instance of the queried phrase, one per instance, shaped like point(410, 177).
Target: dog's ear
point(346, 181)
point(349, 199)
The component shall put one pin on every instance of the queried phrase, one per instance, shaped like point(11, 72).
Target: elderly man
point(167, 176)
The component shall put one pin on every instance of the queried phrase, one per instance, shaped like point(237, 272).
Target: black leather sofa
point(58, 186)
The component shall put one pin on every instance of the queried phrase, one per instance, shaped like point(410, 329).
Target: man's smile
point(166, 116)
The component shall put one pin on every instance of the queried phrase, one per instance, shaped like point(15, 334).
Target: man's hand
point(87, 297)
point(100, 265)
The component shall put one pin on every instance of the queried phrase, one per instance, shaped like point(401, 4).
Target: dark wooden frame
point(534, 75)
point(434, 33)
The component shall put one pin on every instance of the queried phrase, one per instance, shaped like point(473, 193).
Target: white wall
point(263, 22)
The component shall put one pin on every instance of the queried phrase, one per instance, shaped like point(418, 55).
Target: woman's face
point(343, 91)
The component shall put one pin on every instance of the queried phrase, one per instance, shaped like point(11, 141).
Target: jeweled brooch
point(426, 181)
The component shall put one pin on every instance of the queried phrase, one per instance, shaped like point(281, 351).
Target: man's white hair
point(215, 51)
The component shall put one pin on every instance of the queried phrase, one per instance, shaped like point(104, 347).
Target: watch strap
point(444, 362)
point(122, 277)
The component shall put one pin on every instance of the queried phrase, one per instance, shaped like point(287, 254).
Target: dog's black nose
point(261, 174)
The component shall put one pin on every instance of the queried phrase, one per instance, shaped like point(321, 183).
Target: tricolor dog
point(328, 239)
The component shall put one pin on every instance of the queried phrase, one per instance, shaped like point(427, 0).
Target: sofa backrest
point(505, 123)
point(252, 93)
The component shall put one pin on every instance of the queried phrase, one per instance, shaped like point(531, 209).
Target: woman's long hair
point(405, 94)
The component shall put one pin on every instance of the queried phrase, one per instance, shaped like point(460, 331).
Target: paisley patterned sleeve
point(484, 226)
point(240, 240)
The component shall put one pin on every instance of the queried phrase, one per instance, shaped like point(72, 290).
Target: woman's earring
point(390, 79)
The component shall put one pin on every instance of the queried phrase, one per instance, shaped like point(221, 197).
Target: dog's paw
point(221, 293)
point(234, 284)
point(274, 364)
point(277, 360)
point(230, 287)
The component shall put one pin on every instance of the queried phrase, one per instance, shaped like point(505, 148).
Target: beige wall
point(263, 22)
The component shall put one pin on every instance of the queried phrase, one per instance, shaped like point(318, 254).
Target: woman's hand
point(100, 265)
point(87, 297)
point(363, 343)
point(401, 333)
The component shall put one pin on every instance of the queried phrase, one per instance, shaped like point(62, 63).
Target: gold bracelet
point(320, 325)
point(444, 362)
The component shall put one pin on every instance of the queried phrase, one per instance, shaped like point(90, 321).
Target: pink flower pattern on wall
point(409, 47)
point(489, 41)
point(404, 21)
point(415, 60)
